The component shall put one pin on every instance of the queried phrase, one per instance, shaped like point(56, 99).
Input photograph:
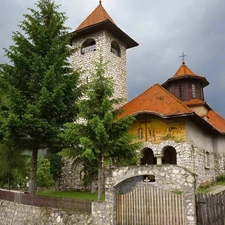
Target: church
point(173, 119)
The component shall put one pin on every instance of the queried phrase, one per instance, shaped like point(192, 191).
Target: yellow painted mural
point(157, 130)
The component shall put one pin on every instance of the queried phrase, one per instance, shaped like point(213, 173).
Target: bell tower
point(99, 35)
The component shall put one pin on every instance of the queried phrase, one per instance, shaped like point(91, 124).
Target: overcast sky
point(164, 29)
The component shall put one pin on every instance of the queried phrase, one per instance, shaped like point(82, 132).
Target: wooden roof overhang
point(110, 27)
point(203, 80)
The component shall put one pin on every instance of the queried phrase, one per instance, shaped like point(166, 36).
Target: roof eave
point(203, 80)
point(192, 116)
point(164, 116)
point(109, 26)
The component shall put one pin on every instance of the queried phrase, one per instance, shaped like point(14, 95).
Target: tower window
point(180, 91)
point(193, 90)
point(115, 48)
point(88, 46)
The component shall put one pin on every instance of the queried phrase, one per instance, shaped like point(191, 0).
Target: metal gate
point(148, 205)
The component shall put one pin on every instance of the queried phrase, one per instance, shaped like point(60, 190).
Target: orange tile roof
point(183, 71)
point(97, 16)
point(194, 102)
point(156, 100)
point(216, 121)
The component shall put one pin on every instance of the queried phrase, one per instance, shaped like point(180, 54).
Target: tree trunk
point(100, 177)
point(33, 170)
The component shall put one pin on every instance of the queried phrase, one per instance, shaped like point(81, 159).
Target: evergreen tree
point(100, 136)
point(39, 83)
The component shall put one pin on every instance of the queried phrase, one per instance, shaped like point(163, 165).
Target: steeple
point(99, 35)
point(185, 84)
point(100, 20)
point(97, 16)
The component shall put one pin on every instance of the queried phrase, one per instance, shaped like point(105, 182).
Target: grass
point(69, 194)
point(206, 188)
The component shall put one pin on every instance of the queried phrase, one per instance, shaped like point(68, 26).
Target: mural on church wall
point(156, 130)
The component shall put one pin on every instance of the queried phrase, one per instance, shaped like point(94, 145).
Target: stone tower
point(98, 35)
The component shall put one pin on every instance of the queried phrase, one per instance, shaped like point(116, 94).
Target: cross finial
point(100, 2)
point(183, 56)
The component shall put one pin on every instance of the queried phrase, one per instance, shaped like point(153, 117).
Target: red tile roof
point(194, 102)
point(185, 72)
point(216, 121)
point(97, 16)
point(156, 100)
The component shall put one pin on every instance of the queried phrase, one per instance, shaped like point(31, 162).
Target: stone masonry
point(116, 65)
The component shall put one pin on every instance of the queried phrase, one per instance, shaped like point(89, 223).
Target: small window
point(115, 48)
point(88, 46)
point(207, 160)
point(193, 91)
point(180, 91)
point(148, 178)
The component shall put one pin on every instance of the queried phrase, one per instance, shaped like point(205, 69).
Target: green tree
point(12, 166)
point(100, 134)
point(39, 83)
point(55, 166)
point(44, 177)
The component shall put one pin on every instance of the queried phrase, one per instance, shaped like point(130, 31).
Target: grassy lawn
point(69, 194)
point(207, 187)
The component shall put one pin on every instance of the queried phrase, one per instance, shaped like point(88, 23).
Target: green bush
point(220, 178)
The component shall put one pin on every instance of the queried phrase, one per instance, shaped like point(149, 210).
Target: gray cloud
point(164, 29)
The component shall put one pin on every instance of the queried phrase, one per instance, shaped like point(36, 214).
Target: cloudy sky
point(164, 29)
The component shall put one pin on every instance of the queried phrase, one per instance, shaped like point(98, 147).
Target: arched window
point(170, 156)
point(88, 46)
point(115, 48)
point(148, 157)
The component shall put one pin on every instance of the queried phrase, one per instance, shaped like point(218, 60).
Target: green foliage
point(44, 177)
point(220, 178)
point(55, 166)
point(101, 135)
point(39, 84)
point(13, 167)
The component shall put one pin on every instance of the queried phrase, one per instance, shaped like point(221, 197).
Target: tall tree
point(39, 83)
point(100, 135)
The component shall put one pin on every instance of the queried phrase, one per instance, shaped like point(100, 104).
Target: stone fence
point(167, 177)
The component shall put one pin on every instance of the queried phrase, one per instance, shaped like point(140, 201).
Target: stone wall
point(167, 177)
point(206, 165)
point(116, 66)
point(17, 214)
point(72, 177)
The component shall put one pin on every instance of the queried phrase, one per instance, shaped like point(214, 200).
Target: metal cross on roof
point(183, 56)
point(100, 2)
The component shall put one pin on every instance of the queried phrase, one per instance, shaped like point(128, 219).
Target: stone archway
point(168, 178)
point(148, 157)
point(170, 155)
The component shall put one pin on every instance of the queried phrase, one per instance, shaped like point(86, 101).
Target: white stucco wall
point(198, 136)
point(220, 142)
